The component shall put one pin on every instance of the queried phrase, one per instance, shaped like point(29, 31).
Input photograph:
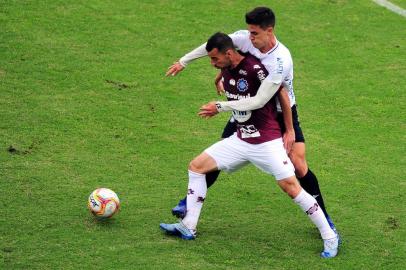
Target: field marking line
point(391, 7)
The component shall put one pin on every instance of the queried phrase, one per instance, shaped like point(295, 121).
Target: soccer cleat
point(178, 229)
point(180, 209)
point(330, 248)
point(333, 227)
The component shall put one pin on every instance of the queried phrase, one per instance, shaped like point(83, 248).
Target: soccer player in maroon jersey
point(258, 140)
point(260, 41)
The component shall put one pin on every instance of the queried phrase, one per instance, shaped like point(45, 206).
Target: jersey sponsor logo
point(249, 131)
point(242, 72)
point(241, 116)
point(236, 96)
point(242, 85)
point(232, 82)
point(257, 67)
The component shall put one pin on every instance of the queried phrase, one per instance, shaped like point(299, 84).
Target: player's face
point(218, 59)
point(259, 37)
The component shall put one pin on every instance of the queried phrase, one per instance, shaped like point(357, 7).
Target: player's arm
point(239, 38)
point(186, 59)
point(265, 92)
point(289, 134)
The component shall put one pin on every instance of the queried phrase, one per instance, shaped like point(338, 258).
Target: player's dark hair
point(220, 41)
point(261, 16)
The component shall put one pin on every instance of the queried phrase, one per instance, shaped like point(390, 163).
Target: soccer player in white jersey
point(258, 140)
point(260, 41)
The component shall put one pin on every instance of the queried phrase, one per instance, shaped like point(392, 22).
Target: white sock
point(196, 194)
point(310, 206)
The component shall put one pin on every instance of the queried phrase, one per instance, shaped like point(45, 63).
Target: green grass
point(84, 103)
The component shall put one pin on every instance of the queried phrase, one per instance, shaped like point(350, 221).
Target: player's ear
point(228, 52)
point(269, 30)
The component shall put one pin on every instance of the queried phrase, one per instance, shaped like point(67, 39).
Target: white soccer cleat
point(330, 248)
point(178, 229)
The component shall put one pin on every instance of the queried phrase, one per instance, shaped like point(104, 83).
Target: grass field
point(84, 104)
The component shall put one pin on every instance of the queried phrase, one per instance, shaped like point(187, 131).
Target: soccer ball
point(103, 203)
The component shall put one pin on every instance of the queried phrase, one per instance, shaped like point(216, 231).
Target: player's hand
point(174, 69)
point(208, 110)
point(219, 84)
point(288, 140)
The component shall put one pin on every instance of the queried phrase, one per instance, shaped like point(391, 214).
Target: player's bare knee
point(291, 186)
point(196, 166)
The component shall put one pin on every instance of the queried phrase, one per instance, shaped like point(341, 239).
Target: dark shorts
point(231, 126)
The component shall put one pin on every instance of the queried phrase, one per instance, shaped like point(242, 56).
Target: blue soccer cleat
point(178, 229)
point(330, 248)
point(180, 209)
point(333, 227)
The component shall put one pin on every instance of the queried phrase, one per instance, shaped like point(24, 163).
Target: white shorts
point(233, 153)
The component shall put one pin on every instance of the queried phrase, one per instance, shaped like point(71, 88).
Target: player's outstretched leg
point(311, 185)
point(308, 179)
point(310, 206)
point(180, 209)
point(196, 195)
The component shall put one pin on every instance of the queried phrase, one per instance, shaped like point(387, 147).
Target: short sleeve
point(241, 40)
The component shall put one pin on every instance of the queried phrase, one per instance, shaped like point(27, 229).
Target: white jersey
point(277, 60)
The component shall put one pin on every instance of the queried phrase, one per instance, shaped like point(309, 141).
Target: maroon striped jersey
point(243, 81)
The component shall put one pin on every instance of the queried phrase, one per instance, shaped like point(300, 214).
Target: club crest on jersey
point(242, 72)
point(242, 85)
point(232, 82)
